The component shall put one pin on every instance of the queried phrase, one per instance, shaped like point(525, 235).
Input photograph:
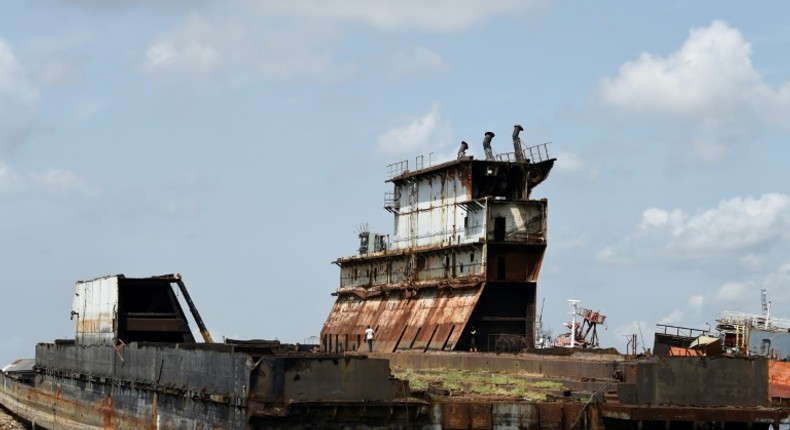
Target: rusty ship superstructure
point(466, 252)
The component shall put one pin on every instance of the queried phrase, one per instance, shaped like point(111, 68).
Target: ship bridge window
point(472, 257)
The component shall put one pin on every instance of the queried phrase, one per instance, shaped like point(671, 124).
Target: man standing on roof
point(369, 338)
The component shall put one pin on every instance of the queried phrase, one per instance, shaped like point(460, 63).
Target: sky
point(242, 143)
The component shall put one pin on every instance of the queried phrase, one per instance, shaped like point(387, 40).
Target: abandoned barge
point(467, 249)
point(134, 364)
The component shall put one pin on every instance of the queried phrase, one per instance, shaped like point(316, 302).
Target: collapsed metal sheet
point(432, 319)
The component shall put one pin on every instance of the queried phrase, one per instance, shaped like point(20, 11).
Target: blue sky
point(241, 143)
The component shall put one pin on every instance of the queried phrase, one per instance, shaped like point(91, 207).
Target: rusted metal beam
point(154, 324)
point(676, 413)
point(203, 330)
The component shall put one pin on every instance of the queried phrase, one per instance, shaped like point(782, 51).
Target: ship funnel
point(462, 151)
point(517, 144)
point(487, 146)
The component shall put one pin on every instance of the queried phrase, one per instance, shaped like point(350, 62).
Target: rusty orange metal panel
point(428, 317)
point(549, 415)
point(778, 379)
point(466, 416)
point(677, 351)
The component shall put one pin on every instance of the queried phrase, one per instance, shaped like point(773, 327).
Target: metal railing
point(537, 153)
point(510, 157)
point(753, 320)
point(534, 154)
point(679, 331)
point(397, 169)
point(390, 202)
point(401, 167)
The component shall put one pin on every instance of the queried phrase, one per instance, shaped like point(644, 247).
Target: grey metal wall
point(695, 381)
point(292, 379)
point(220, 371)
point(223, 373)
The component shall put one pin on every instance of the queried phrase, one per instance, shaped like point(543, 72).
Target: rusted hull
point(220, 386)
point(103, 406)
point(57, 403)
point(669, 417)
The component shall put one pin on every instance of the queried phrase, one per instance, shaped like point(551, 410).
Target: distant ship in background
point(753, 334)
point(737, 334)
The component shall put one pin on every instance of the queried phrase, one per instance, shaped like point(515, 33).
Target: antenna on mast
point(766, 307)
point(574, 312)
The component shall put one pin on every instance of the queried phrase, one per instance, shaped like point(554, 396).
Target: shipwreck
point(134, 364)
point(466, 251)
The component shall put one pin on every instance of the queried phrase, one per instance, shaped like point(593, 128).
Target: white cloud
point(421, 59)
point(54, 181)
point(707, 74)
point(403, 15)
point(195, 48)
point(752, 261)
point(87, 109)
point(746, 296)
point(9, 180)
point(709, 87)
point(693, 309)
point(695, 303)
point(781, 277)
point(422, 135)
point(299, 41)
point(735, 292)
point(660, 218)
point(206, 46)
point(738, 226)
point(64, 182)
point(574, 164)
point(673, 318)
point(17, 100)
